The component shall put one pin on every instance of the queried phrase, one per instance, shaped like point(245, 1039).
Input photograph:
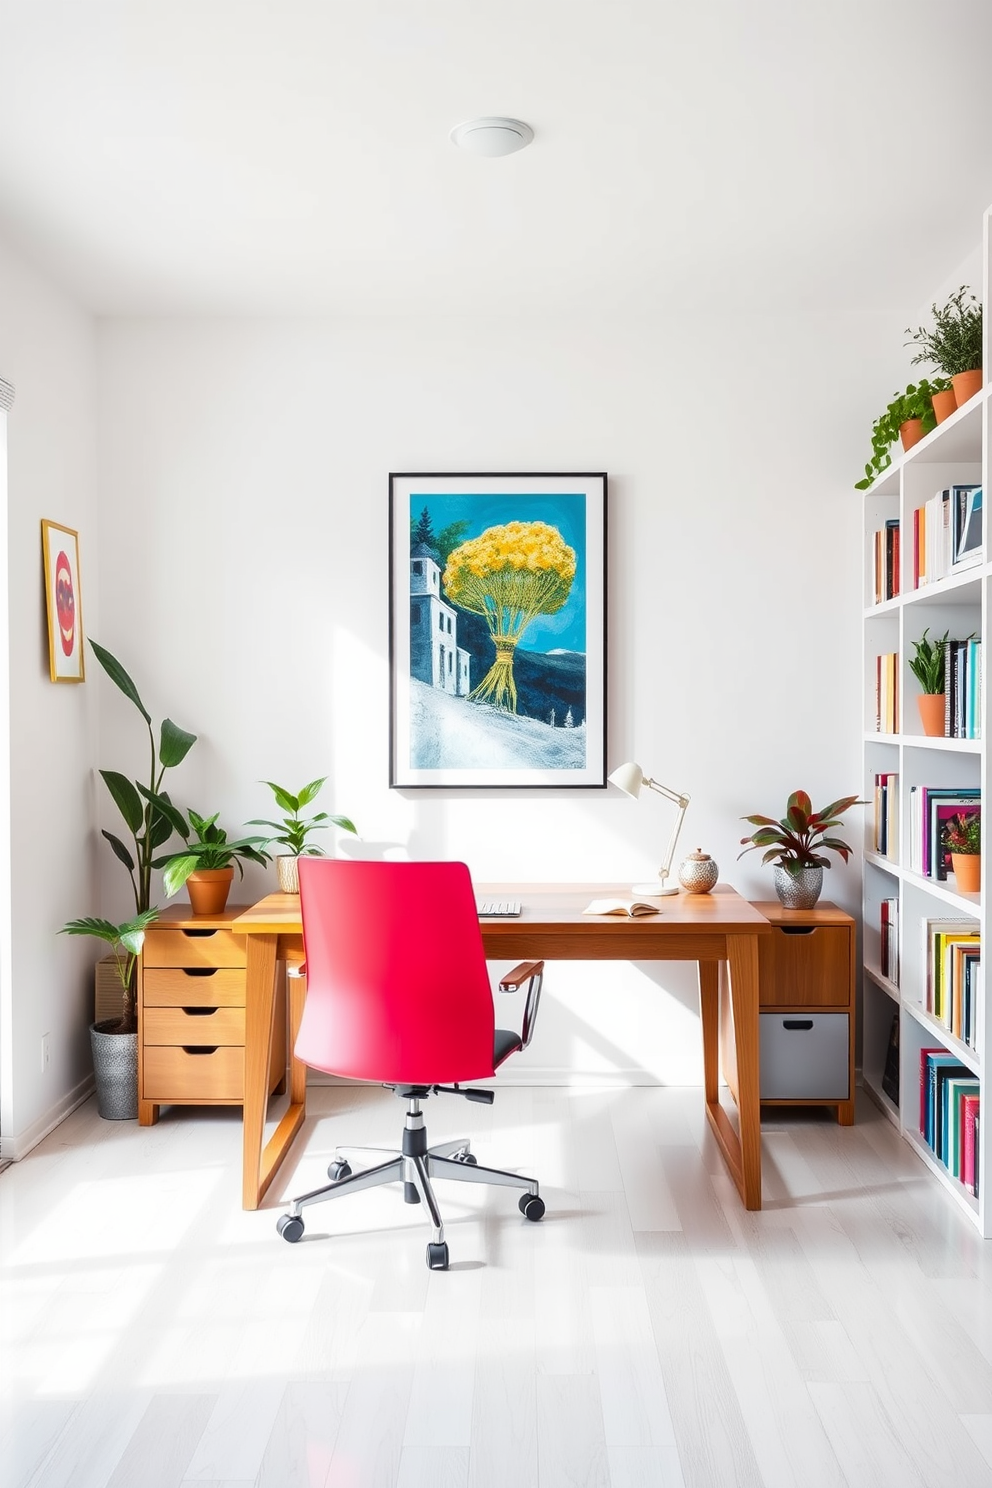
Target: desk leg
point(742, 1153)
point(260, 1164)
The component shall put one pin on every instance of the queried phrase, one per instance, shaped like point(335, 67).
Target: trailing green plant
point(927, 662)
point(915, 403)
point(963, 833)
point(294, 829)
point(209, 849)
point(800, 840)
point(148, 813)
point(954, 342)
point(125, 941)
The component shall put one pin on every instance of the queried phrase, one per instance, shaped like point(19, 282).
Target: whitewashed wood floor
point(649, 1333)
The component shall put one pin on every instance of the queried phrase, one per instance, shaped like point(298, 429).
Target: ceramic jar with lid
point(698, 872)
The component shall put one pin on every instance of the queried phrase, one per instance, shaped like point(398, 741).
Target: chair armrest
point(519, 975)
point(531, 972)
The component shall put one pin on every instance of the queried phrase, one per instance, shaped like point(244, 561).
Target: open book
point(632, 908)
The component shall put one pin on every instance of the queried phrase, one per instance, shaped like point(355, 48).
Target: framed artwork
point(60, 546)
point(497, 629)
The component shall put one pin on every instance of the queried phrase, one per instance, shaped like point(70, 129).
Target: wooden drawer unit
point(191, 1014)
point(806, 974)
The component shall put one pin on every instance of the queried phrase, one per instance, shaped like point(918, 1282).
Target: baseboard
point(13, 1148)
point(615, 1079)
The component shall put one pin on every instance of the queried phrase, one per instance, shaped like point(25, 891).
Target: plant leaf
point(283, 799)
point(345, 824)
point(174, 745)
point(118, 675)
point(177, 871)
point(309, 791)
point(120, 851)
point(126, 798)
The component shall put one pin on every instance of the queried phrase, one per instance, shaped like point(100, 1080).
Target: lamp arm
point(682, 801)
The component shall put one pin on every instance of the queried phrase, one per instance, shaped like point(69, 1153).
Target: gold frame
point(51, 610)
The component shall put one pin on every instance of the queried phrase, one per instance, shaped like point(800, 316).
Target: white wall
point(47, 352)
point(243, 481)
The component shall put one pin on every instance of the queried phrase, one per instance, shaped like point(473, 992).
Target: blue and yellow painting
point(498, 631)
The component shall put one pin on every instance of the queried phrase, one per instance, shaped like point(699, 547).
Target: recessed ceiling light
point(492, 136)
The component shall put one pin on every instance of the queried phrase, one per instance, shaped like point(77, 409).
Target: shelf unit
point(957, 451)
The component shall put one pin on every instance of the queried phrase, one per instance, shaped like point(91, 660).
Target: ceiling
point(259, 156)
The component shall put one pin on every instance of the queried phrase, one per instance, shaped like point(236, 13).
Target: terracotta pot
point(966, 385)
point(944, 404)
point(208, 889)
point(967, 871)
point(931, 706)
point(911, 432)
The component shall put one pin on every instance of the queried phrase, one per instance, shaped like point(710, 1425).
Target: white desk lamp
point(629, 778)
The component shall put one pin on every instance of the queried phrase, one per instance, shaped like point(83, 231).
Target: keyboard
point(494, 909)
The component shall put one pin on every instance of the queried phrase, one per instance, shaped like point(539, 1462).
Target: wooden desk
point(705, 928)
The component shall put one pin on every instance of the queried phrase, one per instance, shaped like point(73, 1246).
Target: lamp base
point(654, 890)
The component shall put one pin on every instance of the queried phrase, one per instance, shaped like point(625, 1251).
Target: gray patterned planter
point(800, 890)
point(115, 1067)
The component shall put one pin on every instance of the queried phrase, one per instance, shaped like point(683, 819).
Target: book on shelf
point(886, 561)
point(962, 668)
point(632, 908)
point(944, 533)
point(889, 939)
point(936, 1066)
point(953, 1092)
point(949, 946)
point(886, 693)
point(970, 1106)
point(931, 808)
point(886, 814)
point(890, 1073)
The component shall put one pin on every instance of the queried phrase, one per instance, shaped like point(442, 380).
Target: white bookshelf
point(956, 451)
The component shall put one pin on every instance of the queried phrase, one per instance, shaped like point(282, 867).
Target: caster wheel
point(290, 1227)
point(531, 1206)
point(437, 1256)
point(338, 1170)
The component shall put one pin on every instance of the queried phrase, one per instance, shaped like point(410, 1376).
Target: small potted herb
point(797, 846)
point(294, 829)
point(907, 418)
point(206, 865)
point(954, 343)
point(927, 666)
point(963, 839)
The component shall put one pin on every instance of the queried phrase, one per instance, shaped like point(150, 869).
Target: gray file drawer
point(804, 1056)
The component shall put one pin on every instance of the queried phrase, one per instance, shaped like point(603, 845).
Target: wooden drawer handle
point(200, 1048)
point(200, 1012)
point(198, 970)
point(797, 929)
point(803, 1025)
point(199, 934)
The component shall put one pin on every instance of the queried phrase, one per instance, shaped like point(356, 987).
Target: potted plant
point(927, 666)
point(954, 343)
point(797, 845)
point(293, 830)
point(907, 418)
point(963, 838)
point(206, 864)
point(115, 1051)
point(150, 819)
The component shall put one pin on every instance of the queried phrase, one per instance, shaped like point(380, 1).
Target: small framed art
point(497, 629)
point(60, 546)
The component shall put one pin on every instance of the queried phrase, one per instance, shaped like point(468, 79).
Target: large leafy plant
point(294, 829)
point(954, 342)
point(801, 839)
point(964, 833)
point(149, 815)
point(915, 403)
point(210, 849)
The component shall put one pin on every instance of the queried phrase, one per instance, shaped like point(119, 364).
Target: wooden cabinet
point(806, 1010)
point(191, 1014)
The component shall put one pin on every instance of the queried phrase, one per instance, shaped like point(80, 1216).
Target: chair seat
point(505, 1043)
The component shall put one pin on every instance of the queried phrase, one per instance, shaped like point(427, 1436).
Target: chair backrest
point(397, 986)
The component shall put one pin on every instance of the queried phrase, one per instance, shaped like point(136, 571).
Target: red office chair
point(398, 994)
